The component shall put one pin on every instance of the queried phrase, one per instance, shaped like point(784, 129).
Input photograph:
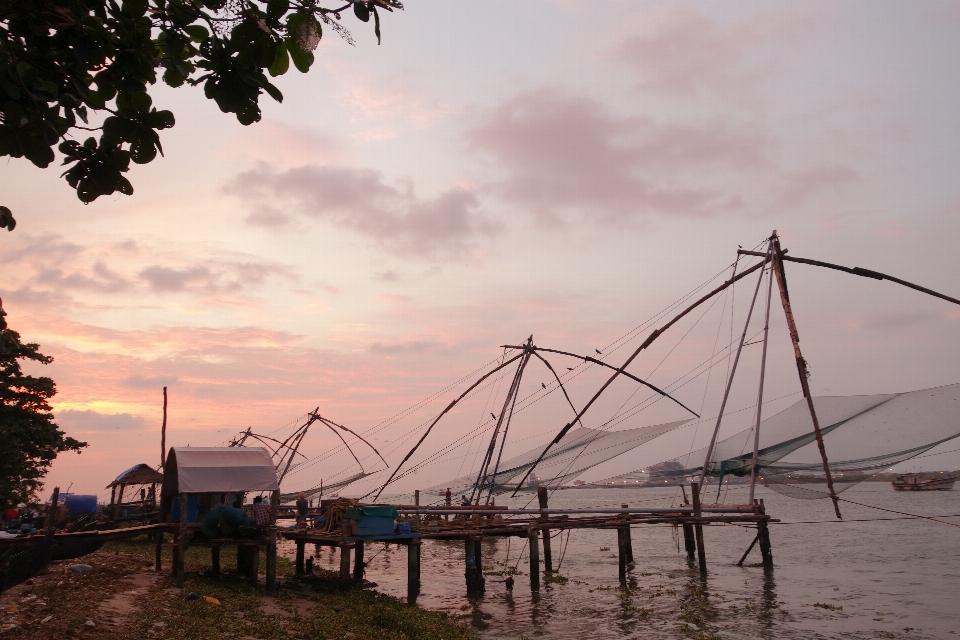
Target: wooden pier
point(472, 524)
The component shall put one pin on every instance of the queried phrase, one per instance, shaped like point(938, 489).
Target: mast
point(505, 414)
point(802, 366)
point(763, 368)
point(733, 371)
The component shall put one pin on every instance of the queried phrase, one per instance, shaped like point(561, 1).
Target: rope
point(902, 513)
point(563, 553)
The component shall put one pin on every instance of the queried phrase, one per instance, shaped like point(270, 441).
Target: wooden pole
point(413, 570)
point(299, 561)
point(698, 528)
point(345, 566)
point(272, 543)
point(473, 573)
point(802, 367)
point(763, 536)
point(163, 432)
point(689, 543)
point(534, 540)
point(621, 555)
point(182, 547)
point(215, 559)
point(416, 501)
point(547, 551)
point(51, 519)
point(763, 369)
point(358, 561)
point(749, 549)
point(116, 505)
point(628, 539)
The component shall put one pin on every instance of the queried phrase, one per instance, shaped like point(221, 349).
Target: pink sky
point(497, 169)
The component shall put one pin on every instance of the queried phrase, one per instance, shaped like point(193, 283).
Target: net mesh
point(578, 451)
point(862, 435)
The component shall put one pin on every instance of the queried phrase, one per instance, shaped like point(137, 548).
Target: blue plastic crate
point(375, 526)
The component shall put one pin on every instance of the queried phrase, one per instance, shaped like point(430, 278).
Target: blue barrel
point(193, 508)
point(79, 505)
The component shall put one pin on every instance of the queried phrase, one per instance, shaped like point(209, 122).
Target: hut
point(142, 476)
point(197, 480)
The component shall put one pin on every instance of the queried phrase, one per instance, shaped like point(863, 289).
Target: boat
point(916, 482)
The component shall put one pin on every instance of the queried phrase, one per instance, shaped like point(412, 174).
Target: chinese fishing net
point(862, 435)
point(578, 451)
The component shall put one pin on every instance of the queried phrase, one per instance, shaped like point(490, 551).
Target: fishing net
point(862, 435)
point(578, 451)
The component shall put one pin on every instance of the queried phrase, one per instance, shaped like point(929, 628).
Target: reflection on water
point(870, 579)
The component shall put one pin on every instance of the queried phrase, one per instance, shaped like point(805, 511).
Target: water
point(893, 579)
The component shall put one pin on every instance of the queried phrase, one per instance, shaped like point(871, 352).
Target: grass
point(305, 607)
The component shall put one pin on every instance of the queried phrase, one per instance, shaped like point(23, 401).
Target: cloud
point(682, 53)
point(80, 422)
point(387, 276)
point(100, 280)
point(411, 346)
point(150, 382)
point(218, 277)
point(165, 279)
point(447, 225)
point(568, 152)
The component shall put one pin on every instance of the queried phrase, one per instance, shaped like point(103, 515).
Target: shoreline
point(121, 596)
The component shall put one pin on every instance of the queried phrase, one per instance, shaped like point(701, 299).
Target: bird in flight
point(569, 368)
point(493, 416)
point(599, 353)
point(543, 385)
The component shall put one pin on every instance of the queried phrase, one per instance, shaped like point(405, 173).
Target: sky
point(495, 170)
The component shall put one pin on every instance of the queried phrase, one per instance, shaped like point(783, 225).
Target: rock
point(90, 623)
point(46, 620)
point(193, 595)
point(79, 568)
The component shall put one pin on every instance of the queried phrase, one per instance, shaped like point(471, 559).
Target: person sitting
point(261, 513)
point(302, 506)
point(464, 501)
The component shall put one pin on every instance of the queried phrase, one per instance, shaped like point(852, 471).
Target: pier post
point(474, 571)
point(300, 554)
point(698, 528)
point(345, 565)
point(271, 582)
point(215, 559)
point(358, 561)
point(533, 537)
point(547, 551)
point(763, 537)
point(413, 570)
point(629, 537)
point(416, 501)
point(181, 554)
point(621, 554)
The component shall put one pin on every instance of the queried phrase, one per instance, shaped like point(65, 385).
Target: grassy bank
point(123, 598)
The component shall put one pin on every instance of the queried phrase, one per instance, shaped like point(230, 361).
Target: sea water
point(860, 578)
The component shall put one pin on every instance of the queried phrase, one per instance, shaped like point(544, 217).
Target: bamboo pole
point(628, 540)
point(733, 371)
point(271, 583)
point(698, 526)
point(534, 541)
point(163, 432)
point(547, 550)
point(802, 367)
point(646, 343)
point(763, 369)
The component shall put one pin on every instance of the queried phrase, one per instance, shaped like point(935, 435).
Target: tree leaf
point(6, 219)
point(197, 32)
point(361, 11)
point(273, 91)
point(281, 63)
point(302, 60)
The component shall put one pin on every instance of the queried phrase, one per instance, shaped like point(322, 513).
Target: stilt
point(622, 554)
point(534, 539)
point(628, 539)
point(698, 528)
point(474, 571)
point(181, 556)
point(215, 560)
point(547, 551)
point(749, 549)
point(358, 561)
point(413, 570)
point(345, 566)
point(689, 544)
point(763, 536)
point(254, 564)
point(272, 544)
point(300, 554)
point(158, 553)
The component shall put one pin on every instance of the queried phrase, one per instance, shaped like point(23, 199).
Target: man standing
point(448, 494)
point(302, 506)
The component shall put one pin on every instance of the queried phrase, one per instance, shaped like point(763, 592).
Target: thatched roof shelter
point(138, 474)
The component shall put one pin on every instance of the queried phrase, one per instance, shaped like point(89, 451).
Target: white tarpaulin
point(224, 469)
